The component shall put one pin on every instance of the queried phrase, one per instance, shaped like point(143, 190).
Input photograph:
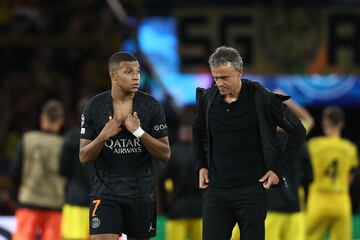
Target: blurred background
point(59, 49)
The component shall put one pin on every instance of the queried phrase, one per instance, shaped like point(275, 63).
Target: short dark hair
point(334, 114)
point(225, 54)
point(53, 109)
point(118, 57)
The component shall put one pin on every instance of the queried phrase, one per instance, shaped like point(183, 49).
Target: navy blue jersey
point(123, 169)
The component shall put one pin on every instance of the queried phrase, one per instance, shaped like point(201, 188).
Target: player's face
point(127, 76)
point(226, 78)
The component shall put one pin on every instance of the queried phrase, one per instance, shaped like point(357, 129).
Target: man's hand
point(270, 178)
point(112, 127)
point(203, 178)
point(132, 122)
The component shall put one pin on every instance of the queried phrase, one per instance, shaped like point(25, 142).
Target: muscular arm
point(90, 149)
point(158, 148)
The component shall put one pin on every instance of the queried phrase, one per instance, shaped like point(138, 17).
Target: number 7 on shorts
point(97, 203)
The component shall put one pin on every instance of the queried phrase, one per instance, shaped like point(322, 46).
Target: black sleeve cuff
point(199, 165)
point(280, 170)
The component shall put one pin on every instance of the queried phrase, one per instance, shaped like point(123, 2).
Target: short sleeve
point(87, 128)
point(158, 126)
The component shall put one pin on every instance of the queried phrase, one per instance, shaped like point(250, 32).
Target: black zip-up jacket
point(78, 176)
point(271, 112)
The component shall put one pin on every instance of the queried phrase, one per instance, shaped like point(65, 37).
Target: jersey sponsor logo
point(82, 131)
point(151, 227)
point(124, 146)
point(95, 222)
point(160, 127)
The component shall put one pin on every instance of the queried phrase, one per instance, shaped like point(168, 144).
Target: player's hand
point(203, 178)
point(270, 178)
point(111, 128)
point(132, 122)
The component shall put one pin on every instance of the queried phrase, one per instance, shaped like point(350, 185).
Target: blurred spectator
point(332, 158)
point(35, 171)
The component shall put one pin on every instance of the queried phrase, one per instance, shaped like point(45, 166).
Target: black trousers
point(222, 208)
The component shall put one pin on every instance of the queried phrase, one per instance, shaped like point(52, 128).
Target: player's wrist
point(102, 137)
point(139, 132)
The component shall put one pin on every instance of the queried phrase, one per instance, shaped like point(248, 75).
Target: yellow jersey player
point(333, 158)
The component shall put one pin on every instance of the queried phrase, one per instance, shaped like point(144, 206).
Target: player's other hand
point(203, 178)
point(112, 127)
point(132, 122)
point(270, 178)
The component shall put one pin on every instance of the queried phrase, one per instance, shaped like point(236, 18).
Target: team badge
point(95, 222)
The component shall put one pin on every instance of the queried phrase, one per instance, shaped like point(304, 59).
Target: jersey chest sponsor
point(123, 145)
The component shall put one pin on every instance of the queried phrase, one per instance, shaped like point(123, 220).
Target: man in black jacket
point(75, 214)
point(285, 218)
point(235, 148)
point(184, 216)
